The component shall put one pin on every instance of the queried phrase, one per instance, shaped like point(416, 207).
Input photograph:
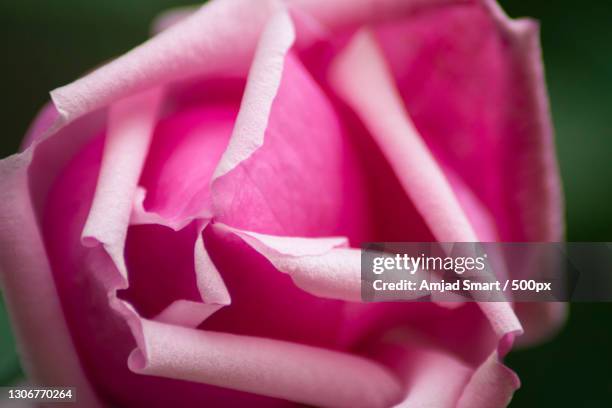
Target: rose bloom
point(182, 226)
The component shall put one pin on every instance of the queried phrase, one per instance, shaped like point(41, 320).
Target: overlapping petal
point(290, 169)
point(29, 289)
point(418, 171)
point(82, 107)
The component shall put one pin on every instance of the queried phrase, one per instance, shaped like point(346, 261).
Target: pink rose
point(182, 226)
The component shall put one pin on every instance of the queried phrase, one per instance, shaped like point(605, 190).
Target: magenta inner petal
point(457, 84)
point(101, 337)
point(266, 302)
point(393, 215)
point(161, 267)
point(185, 150)
point(305, 179)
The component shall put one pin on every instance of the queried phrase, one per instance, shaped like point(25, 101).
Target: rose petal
point(304, 179)
point(323, 267)
point(95, 260)
point(435, 378)
point(441, 372)
point(288, 246)
point(319, 266)
point(87, 281)
point(29, 289)
point(275, 368)
point(184, 152)
point(474, 88)
point(209, 280)
point(262, 86)
point(129, 133)
point(266, 303)
point(127, 141)
point(433, 84)
point(491, 385)
point(496, 142)
point(361, 78)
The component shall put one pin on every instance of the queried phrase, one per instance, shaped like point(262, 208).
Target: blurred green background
point(49, 43)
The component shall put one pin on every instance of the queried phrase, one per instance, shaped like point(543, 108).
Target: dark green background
point(49, 43)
